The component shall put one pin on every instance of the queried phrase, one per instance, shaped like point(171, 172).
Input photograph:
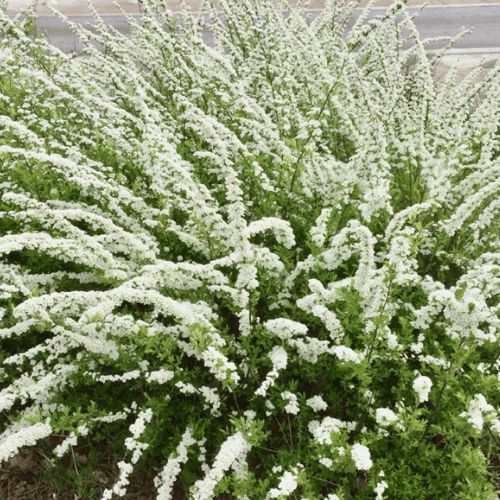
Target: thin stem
point(267, 449)
point(74, 460)
point(324, 480)
point(236, 401)
point(493, 362)
point(250, 308)
point(44, 456)
point(332, 88)
point(377, 329)
point(326, 101)
point(36, 184)
point(487, 426)
point(284, 435)
point(439, 398)
point(290, 430)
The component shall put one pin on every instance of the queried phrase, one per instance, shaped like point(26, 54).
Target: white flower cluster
point(284, 328)
point(422, 385)
point(347, 354)
point(112, 417)
point(327, 462)
point(279, 358)
point(319, 230)
point(186, 388)
point(38, 387)
point(477, 408)
point(61, 449)
point(385, 417)
point(219, 364)
point(281, 229)
point(361, 456)
point(417, 348)
point(247, 276)
point(202, 456)
point(119, 487)
point(11, 442)
point(209, 393)
point(310, 349)
point(160, 376)
point(137, 428)
point(134, 374)
point(465, 314)
point(379, 490)
point(269, 405)
point(232, 451)
point(212, 398)
point(322, 431)
point(166, 479)
point(286, 486)
point(329, 318)
point(316, 403)
point(293, 405)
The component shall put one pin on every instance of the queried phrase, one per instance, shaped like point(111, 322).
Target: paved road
point(105, 7)
point(432, 22)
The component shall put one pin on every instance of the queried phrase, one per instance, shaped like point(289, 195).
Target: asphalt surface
point(431, 22)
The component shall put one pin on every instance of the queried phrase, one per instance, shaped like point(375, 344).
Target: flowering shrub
point(269, 268)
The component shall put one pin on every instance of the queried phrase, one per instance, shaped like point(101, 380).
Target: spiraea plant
point(268, 268)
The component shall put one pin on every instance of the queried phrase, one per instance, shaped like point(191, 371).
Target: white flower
point(286, 487)
point(284, 328)
point(317, 403)
point(422, 385)
point(83, 430)
point(292, 406)
point(166, 479)
point(361, 456)
point(10, 443)
point(327, 462)
point(384, 416)
point(213, 358)
point(347, 354)
point(232, 451)
point(160, 376)
point(379, 489)
point(495, 425)
point(280, 227)
point(138, 427)
point(477, 407)
point(250, 414)
point(322, 432)
point(318, 231)
point(61, 449)
point(278, 357)
point(212, 398)
point(118, 488)
point(186, 388)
